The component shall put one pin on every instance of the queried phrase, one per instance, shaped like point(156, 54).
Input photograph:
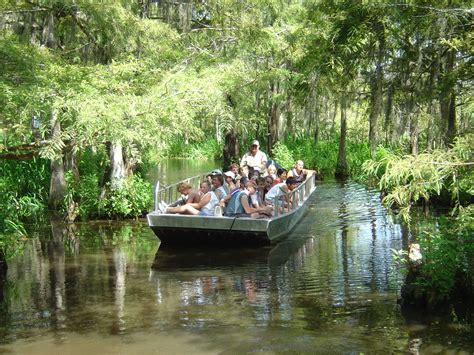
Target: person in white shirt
point(280, 192)
point(253, 160)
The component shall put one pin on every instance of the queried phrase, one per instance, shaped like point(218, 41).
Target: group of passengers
point(255, 188)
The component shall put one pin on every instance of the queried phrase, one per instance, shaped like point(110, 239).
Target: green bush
point(208, 149)
point(282, 155)
point(321, 156)
point(448, 252)
point(131, 199)
point(89, 192)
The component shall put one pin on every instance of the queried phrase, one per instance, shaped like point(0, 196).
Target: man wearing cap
point(253, 160)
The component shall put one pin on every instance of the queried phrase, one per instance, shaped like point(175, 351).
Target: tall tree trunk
point(129, 163)
point(231, 148)
point(3, 266)
point(48, 32)
point(273, 124)
point(3, 278)
point(117, 171)
point(388, 126)
point(333, 118)
point(451, 131)
point(176, 13)
point(376, 90)
point(413, 134)
point(57, 188)
point(447, 98)
point(289, 127)
point(143, 6)
point(70, 164)
point(341, 165)
point(431, 110)
point(217, 130)
point(317, 113)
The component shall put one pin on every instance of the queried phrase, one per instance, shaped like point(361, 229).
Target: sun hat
point(230, 174)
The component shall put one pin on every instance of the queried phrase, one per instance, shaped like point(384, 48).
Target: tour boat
point(179, 229)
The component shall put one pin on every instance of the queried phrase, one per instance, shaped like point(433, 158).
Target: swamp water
point(330, 287)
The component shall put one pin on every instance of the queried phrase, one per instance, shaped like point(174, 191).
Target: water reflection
point(330, 286)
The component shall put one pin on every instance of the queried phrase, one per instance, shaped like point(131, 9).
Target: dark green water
point(330, 287)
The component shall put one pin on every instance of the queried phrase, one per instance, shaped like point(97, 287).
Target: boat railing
point(170, 193)
point(286, 203)
point(283, 204)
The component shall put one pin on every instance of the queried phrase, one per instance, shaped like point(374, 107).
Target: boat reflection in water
point(223, 277)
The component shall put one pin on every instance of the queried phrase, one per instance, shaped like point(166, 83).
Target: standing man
point(254, 160)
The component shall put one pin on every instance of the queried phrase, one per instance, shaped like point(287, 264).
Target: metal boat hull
point(198, 230)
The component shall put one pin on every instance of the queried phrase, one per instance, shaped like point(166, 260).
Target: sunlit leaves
point(408, 179)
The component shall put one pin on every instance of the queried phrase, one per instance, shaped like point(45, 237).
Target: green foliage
point(321, 156)
point(208, 149)
point(448, 253)
point(408, 179)
point(23, 187)
point(86, 193)
point(282, 154)
point(447, 249)
point(131, 199)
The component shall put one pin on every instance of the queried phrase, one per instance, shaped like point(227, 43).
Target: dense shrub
point(321, 156)
point(131, 199)
point(208, 149)
point(23, 188)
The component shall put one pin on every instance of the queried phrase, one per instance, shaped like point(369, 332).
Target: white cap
point(230, 174)
point(256, 142)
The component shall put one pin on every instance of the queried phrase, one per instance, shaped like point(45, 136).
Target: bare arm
point(249, 209)
point(204, 201)
point(193, 197)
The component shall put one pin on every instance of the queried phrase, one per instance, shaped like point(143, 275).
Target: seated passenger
point(260, 194)
point(205, 206)
point(229, 178)
point(269, 182)
point(188, 195)
point(217, 181)
point(271, 171)
point(278, 191)
point(273, 162)
point(281, 176)
point(299, 173)
point(235, 168)
point(254, 173)
point(240, 206)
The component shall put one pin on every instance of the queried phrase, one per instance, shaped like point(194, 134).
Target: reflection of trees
point(57, 285)
point(57, 275)
point(302, 283)
point(118, 268)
